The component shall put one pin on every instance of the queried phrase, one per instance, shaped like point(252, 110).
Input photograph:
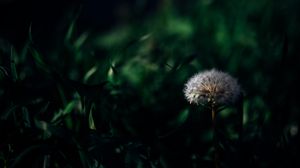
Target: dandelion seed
point(212, 87)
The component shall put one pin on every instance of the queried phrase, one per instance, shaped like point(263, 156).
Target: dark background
point(100, 83)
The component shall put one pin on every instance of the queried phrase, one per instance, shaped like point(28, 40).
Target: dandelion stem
point(215, 142)
point(213, 116)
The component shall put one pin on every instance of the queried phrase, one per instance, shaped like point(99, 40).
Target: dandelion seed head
point(213, 87)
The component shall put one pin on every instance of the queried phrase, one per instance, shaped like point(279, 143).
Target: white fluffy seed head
point(212, 87)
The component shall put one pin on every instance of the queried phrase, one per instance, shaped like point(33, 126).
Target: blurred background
point(89, 83)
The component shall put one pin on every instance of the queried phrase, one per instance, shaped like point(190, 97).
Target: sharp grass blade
point(81, 40)
point(13, 56)
point(91, 119)
point(22, 155)
point(90, 73)
point(62, 113)
point(39, 60)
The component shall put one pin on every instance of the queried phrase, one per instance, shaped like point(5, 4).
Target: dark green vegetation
point(107, 92)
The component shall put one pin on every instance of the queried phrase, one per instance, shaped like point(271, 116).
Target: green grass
point(115, 98)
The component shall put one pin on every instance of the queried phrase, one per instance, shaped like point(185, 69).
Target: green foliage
point(115, 98)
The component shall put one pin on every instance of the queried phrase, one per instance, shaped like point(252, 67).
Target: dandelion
point(212, 87)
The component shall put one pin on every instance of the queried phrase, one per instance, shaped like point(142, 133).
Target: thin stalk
point(215, 142)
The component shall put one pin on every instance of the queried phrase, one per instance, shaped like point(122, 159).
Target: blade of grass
point(39, 61)
point(81, 39)
point(13, 55)
point(91, 120)
point(90, 73)
point(68, 109)
point(25, 153)
point(7, 112)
